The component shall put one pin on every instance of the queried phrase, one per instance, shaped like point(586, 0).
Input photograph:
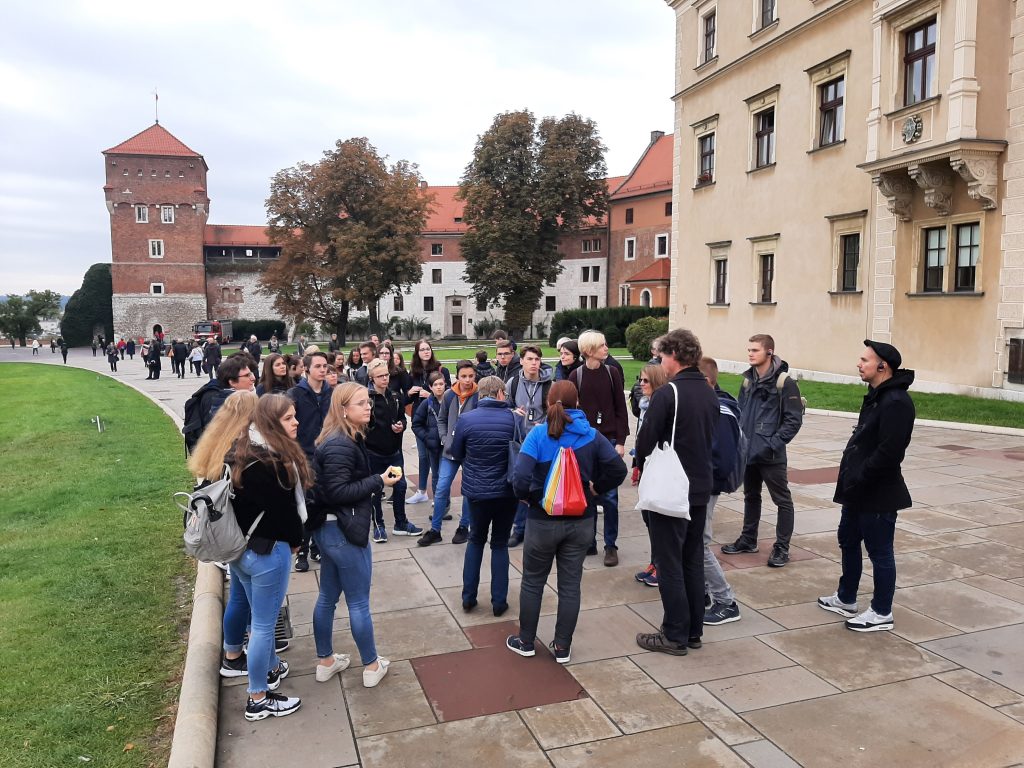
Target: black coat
point(265, 489)
point(387, 409)
point(870, 478)
point(345, 486)
point(180, 352)
point(311, 410)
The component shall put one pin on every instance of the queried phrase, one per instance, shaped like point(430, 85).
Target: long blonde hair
point(231, 420)
point(336, 423)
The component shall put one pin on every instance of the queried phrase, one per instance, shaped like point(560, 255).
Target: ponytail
point(562, 395)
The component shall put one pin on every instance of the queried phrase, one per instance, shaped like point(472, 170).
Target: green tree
point(348, 227)
point(19, 315)
point(89, 306)
point(528, 184)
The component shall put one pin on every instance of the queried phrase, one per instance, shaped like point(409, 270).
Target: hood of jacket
point(901, 379)
point(778, 366)
point(728, 401)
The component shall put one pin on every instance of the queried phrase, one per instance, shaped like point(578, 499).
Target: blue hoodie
point(598, 461)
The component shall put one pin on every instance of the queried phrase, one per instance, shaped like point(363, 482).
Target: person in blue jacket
point(481, 446)
point(424, 426)
point(564, 540)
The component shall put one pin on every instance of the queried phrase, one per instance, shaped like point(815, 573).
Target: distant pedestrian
point(112, 356)
point(253, 348)
point(64, 350)
point(211, 357)
point(53, 347)
point(130, 349)
point(155, 362)
point(483, 365)
point(120, 347)
point(333, 345)
point(179, 356)
point(195, 357)
point(35, 346)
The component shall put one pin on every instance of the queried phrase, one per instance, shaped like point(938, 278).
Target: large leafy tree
point(528, 183)
point(348, 227)
point(90, 306)
point(19, 315)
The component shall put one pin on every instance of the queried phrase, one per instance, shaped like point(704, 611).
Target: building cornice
point(978, 147)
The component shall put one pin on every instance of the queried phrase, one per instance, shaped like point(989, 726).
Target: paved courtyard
point(787, 685)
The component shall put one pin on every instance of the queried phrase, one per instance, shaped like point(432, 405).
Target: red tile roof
point(444, 211)
point(155, 140)
point(660, 270)
point(652, 173)
point(235, 234)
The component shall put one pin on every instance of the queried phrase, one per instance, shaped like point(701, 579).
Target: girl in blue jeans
point(345, 491)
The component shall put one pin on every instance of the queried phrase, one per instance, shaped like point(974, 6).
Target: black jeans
point(496, 515)
point(678, 551)
point(876, 530)
point(775, 477)
point(564, 540)
point(379, 463)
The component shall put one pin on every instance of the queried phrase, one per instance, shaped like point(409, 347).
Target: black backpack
point(193, 427)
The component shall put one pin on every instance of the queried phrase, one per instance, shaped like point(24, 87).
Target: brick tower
point(156, 194)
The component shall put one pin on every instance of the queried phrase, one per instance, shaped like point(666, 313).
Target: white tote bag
point(664, 487)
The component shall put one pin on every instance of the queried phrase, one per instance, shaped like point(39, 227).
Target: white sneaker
point(418, 498)
point(338, 664)
point(869, 621)
point(834, 604)
point(373, 676)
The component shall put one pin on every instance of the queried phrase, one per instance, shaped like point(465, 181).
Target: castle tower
point(155, 192)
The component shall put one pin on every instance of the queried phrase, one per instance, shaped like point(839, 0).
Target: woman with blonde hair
point(231, 419)
point(345, 509)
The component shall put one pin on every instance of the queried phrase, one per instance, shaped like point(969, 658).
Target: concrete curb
point(194, 744)
point(992, 430)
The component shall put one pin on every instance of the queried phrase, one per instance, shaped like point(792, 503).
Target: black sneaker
point(281, 644)
point(301, 563)
point(516, 645)
point(657, 642)
point(561, 654)
point(592, 549)
point(275, 676)
point(461, 535)
point(314, 553)
point(721, 613)
point(738, 547)
point(695, 643)
point(429, 537)
point(234, 667)
point(778, 558)
point(274, 705)
point(515, 540)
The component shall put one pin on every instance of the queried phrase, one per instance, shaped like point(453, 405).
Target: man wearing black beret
point(871, 487)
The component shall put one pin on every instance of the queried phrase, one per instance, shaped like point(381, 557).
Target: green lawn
point(94, 587)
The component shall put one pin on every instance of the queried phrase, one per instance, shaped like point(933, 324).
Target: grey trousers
point(714, 578)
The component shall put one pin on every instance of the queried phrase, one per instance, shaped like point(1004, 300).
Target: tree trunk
point(341, 323)
point(373, 319)
point(518, 317)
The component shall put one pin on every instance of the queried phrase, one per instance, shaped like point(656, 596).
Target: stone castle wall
point(135, 315)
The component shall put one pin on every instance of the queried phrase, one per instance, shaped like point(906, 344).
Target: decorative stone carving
point(982, 177)
point(937, 186)
point(899, 192)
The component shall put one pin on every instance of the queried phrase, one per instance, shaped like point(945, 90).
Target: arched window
point(645, 298)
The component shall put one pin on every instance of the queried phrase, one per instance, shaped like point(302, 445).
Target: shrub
point(91, 306)
point(640, 334)
point(612, 321)
point(484, 327)
point(241, 330)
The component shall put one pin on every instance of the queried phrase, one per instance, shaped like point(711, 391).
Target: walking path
point(787, 685)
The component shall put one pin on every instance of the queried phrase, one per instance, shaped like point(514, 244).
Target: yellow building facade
point(853, 168)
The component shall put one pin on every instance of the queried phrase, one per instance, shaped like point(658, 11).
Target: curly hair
point(681, 344)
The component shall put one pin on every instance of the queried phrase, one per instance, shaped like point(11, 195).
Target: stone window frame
point(819, 76)
point(156, 248)
point(593, 301)
point(841, 225)
point(719, 252)
point(141, 214)
point(757, 105)
point(437, 249)
point(760, 246)
point(166, 214)
point(650, 298)
point(436, 276)
point(668, 245)
point(704, 12)
point(399, 303)
point(595, 273)
point(896, 25)
point(157, 289)
point(626, 249)
point(950, 224)
point(585, 274)
point(624, 294)
point(428, 303)
point(704, 129)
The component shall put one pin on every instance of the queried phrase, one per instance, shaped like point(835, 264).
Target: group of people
point(316, 447)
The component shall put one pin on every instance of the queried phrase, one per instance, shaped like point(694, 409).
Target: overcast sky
point(258, 86)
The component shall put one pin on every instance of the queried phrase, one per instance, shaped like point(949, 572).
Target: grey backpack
point(211, 530)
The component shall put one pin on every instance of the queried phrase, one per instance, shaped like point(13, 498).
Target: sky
point(259, 86)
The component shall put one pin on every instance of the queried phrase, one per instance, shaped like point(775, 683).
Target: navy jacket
point(481, 446)
point(599, 463)
point(424, 423)
point(725, 442)
point(311, 410)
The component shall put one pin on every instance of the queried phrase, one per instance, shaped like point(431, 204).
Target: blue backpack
point(738, 465)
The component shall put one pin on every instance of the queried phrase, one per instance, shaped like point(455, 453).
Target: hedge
point(611, 321)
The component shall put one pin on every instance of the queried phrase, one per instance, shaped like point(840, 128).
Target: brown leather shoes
point(611, 557)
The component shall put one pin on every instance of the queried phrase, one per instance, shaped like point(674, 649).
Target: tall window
point(595, 274)
point(851, 260)
point(661, 245)
point(585, 274)
point(934, 258)
point(645, 298)
point(437, 249)
point(721, 279)
point(630, 250)
point(583, 302)
point(764, 137)
point(918, 62)
point(156, 249)
point(623, 295)
point(399, 303)
point(767, 12)
point(830, 106)
point(549, 303)
point(706, 148)
point(167, 214)
point(141, 214)
point(968, 239)
point(428, 303)
point(629, 215)
point(709, 37)
point(481, 305)
point(668, 208)
point(593, 302)
point(767, 276)
point(435, 276)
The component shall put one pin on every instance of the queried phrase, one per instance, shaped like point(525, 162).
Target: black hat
point(886, 352)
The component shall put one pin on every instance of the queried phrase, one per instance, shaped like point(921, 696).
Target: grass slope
point(91, 571)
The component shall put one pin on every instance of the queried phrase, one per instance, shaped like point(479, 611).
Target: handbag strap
point(675, 413)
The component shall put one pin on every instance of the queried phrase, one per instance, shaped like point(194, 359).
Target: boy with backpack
point(728, 461)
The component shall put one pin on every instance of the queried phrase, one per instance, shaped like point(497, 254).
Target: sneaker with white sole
point(517, 645)
point(237, 667)
point(869, 621)
point(418, 498)
point(407, 530)
point(834, 604)
point(273, 705)
point(275, 676)
point(562, 655)
point(373, 676)
point(339, 663)
point(380, 534)
point(722, 613)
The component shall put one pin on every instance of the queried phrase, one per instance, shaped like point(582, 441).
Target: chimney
point(655, 135)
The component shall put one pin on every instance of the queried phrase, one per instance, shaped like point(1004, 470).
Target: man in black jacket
point(871, 487)
point(678, 544)
point(772, 414)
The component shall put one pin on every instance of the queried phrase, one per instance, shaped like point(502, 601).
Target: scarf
point(463, 397)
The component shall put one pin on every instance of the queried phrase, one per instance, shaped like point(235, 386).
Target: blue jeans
point(443, 493)
point(876, 530)
point(609, 502)
point(378, 464)
point(346, 568)
point(519, 524)
point(265, 581)
point(497, 515)
point(425, 465)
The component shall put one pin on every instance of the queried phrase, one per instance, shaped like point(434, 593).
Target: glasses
point(644, 381)
point(382, 376)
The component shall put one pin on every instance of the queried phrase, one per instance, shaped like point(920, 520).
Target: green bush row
point(611, 321)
